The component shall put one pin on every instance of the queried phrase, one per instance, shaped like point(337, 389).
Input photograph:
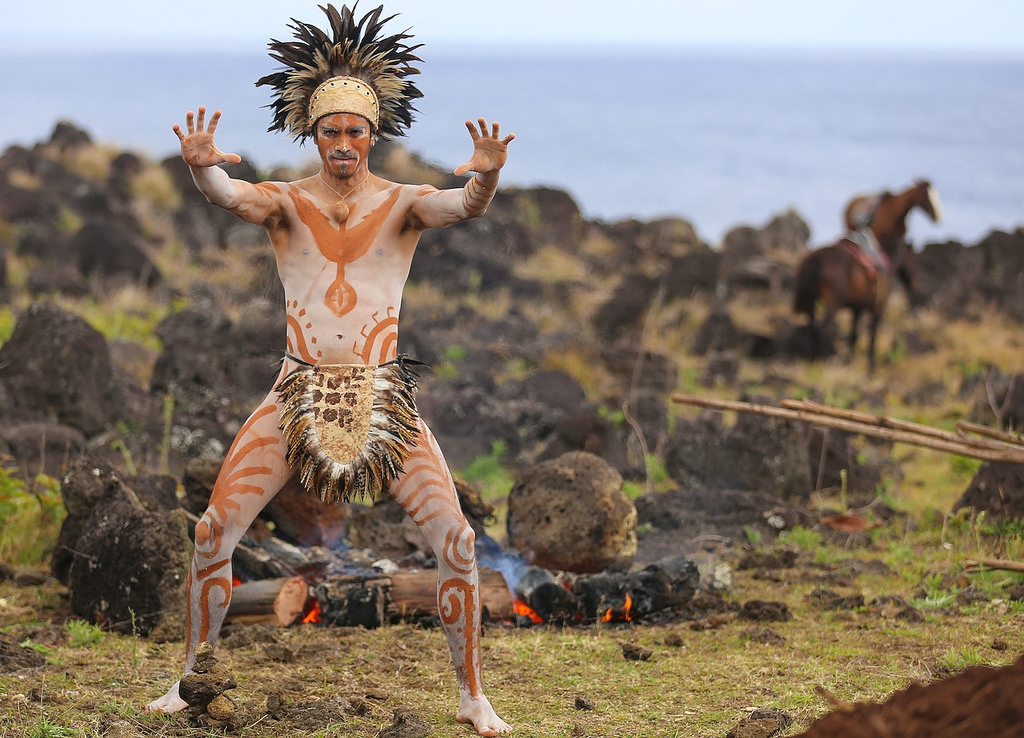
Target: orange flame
point(625, 614)
point(521, 608)
point(314, 613)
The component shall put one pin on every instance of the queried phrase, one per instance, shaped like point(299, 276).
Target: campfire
point(511, 591)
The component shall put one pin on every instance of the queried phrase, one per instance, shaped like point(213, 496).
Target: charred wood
point(609, 596)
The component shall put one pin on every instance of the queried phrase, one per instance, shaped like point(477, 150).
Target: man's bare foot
point(170, 702)
point(478, 711)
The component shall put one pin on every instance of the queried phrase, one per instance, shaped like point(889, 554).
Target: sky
point(955, 25)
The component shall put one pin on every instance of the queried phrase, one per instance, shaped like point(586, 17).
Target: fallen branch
point(999, 440)
point(1003, 564)
point(1005, 449)
point(965, 427)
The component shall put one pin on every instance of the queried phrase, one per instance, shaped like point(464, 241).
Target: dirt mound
point(979, 701)
point(14, 657)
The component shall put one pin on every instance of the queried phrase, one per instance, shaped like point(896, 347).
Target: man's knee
point(462, 542)
point(203, 533)
point(466, 537)
point(208, 535)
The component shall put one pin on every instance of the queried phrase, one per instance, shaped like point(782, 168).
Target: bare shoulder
point(411, 192)
point(272, 207)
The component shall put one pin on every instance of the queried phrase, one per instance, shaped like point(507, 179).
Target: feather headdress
point(349, 55)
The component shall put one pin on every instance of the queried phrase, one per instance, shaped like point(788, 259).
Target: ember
point(523, 610)
point(609, 596)
point(313, 614)
point(612, 614)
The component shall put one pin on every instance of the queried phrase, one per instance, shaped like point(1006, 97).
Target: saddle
point(863, 244)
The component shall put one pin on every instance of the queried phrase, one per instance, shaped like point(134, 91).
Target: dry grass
point(701, 685)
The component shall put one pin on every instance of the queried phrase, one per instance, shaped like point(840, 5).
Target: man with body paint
point(344, 241)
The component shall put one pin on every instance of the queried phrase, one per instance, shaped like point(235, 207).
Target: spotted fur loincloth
point(349, 427)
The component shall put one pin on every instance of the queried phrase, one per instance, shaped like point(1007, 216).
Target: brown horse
point(885, 215)
point(843, 276)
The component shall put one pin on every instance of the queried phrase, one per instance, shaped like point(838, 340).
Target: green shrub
point(30, 518)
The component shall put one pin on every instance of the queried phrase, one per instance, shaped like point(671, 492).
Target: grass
point(701, 685)
point(30, 518)
point(490, 475)
point(699, 682)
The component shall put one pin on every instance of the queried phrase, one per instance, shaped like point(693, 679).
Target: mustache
point(343, 155)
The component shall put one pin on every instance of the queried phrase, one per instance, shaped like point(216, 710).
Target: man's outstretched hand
point(197, 147)
point(490, 150)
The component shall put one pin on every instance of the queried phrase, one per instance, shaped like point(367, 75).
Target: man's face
point(344, 141)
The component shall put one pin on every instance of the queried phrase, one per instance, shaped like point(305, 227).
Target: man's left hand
point(490, 150)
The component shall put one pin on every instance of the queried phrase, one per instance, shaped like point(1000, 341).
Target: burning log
point(542, 599)
point(372, 601)
point(415, 593)
point(280, 601)
point(605, 597)
point(368, 601)
point(636, 594)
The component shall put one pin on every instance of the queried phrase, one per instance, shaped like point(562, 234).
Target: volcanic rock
point(979, 701)
point(570, 514)
point(126, 565)
point(207, 681)
point(997, 489)
point(56, 367)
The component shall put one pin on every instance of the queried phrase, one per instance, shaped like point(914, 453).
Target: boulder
point(997, 399)
point(57, 368)
point(42, 448)
point(217, 372)
point(112, 249)
point(570, 514)
point(785, 232)
point(623, 314)
point(123, 556)
point(756, 453)
point(997, 490)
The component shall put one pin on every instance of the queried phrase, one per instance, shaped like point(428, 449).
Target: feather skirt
point(392, 430)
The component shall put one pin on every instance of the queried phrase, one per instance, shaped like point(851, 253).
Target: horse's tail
point(808, 285)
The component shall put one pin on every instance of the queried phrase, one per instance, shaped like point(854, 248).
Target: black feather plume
point(348, 48)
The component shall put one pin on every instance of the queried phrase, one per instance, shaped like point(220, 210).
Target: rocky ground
point(548, 336)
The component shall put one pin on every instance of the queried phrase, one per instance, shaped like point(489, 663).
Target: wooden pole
point(1003, 564)
point(999, 440)
point(871, 425)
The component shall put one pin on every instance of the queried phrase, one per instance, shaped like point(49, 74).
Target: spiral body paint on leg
point(426, 491)
point(252, 473)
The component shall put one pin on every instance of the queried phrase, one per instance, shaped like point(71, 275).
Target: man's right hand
point(197, 147)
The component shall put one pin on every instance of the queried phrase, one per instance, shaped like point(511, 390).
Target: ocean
point(719, 137)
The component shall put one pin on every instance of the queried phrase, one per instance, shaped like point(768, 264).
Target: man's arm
point(249, 202)
point(439, 208)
